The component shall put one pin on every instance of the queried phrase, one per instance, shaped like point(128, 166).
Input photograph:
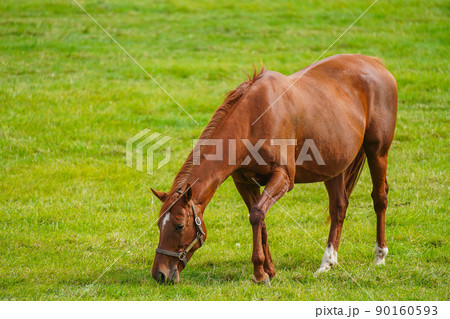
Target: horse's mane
point(229, 104)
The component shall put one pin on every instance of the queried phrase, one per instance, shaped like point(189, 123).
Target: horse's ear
point(188, 193)
point(161, 195)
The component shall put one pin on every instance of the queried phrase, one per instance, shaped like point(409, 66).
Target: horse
point(343, 108)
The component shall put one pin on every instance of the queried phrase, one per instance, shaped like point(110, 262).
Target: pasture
point(70, 98)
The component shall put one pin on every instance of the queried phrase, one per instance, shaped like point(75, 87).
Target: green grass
point(70, 98)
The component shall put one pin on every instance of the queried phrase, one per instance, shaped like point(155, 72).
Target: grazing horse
point(340, 110)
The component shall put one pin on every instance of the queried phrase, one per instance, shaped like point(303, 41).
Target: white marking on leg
point(380, 253)
point(329, 259)
point(165, 220)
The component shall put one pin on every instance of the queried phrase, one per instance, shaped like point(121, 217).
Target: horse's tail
point(353, 171)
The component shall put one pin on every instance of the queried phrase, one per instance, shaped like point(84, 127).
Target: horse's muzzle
point(172, 278)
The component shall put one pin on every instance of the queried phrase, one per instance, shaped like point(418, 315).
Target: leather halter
point(198, 238)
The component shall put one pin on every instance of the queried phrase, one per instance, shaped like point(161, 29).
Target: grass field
point(70, 98)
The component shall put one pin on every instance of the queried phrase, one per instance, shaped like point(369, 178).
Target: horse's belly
point(313, 173)
point(305, 176)
point(325, 159)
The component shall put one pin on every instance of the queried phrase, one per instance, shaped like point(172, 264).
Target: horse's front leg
point(277, 186)
point(250, 193)
point(269, 267)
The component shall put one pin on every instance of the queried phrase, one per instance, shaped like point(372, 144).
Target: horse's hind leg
point(378, 138)
point(338, 202)
point(377, 160)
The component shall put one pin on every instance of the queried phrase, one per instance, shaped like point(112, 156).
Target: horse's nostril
point(160, 277)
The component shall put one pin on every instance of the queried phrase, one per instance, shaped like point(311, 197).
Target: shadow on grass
point(198, 273)
point(291, 270)
point(207, 273)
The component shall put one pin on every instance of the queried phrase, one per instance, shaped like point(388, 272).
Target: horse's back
point(358, 87)
point(337, 102)
point(372, 85)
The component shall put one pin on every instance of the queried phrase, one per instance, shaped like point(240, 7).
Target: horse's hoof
point(322, 269)
point(265, 281)
point(379, 261)
point(380, 254)
point(270, 272)
point(329, 259)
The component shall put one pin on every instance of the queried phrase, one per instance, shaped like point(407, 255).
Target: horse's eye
point(180, 227)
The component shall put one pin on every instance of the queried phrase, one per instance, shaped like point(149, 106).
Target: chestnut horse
point(344, 106)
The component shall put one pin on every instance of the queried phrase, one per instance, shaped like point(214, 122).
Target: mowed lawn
point(70, 98)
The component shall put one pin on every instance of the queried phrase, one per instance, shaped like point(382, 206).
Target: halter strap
point(198, 238)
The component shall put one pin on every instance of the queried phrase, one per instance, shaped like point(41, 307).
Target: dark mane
point(230, 102)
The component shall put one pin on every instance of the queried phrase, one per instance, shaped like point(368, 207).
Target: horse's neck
point(206, 178)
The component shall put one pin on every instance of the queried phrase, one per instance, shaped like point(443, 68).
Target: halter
point(198, 238)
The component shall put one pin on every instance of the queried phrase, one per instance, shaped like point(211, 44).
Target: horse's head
point(181, 232)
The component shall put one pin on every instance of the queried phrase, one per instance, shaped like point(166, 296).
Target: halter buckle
point(182, 255)
point(198, 221)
